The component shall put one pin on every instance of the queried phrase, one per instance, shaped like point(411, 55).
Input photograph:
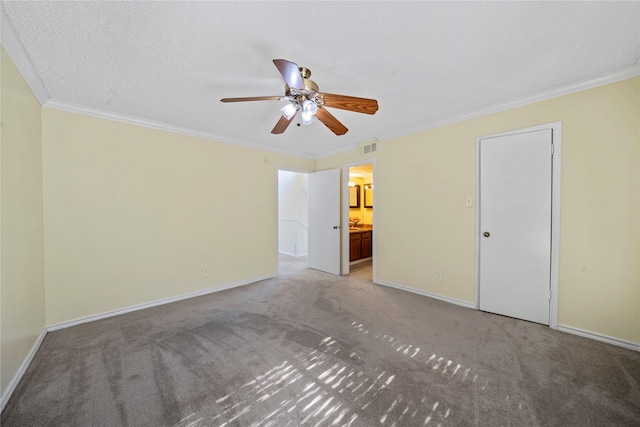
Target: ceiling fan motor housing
point(308, 84)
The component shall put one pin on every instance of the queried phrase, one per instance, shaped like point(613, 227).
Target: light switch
point(468, 201)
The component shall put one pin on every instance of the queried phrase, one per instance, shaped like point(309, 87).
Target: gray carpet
point(312, 349)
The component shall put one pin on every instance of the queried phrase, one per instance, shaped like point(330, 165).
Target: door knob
point(486, 234)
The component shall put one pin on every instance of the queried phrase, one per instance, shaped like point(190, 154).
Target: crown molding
point(543, 95)
point(71, 107)
point(336, 152)
point(20, 58)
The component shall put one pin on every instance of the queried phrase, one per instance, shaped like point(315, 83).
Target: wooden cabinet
point(360, 245)
point(355, 240)
point(365, 248)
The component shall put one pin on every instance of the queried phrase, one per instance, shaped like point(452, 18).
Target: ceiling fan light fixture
point(309, 109)
point(289, 110)
point(307, 119)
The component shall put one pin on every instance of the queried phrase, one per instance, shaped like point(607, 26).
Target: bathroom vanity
point(360, 243)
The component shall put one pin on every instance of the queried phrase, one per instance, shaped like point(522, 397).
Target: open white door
point(324, 221)
point(515, 225)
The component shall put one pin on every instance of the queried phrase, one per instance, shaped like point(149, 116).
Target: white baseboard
point(426, 294)
point(92, 318)
point(599, 337)
point(25, 364)
point(23, 368)
point(562, 328)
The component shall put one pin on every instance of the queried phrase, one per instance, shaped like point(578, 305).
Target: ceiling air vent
point(369, 148)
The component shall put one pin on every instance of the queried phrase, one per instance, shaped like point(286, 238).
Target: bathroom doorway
point(358, 237)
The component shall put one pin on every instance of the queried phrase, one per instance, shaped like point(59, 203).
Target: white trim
point(20, 58)
point(112, 313)
point(562, 328)
point(600, 337)
point(621, 74)
point(57, 326)
point(16, 51)
point(23, 368)
point(461, 303)
point(628, 72)
point(555, 222)
point(556, 130)
point(71, 107)
point(335, 152)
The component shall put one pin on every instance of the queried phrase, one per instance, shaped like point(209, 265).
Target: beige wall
point(599, 283)
point(22, 265)
point(133, 215)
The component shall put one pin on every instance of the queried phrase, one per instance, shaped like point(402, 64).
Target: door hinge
point(552, 148)
point(549, 294)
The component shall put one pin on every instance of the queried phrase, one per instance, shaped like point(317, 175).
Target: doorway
point(358, 237)
point(517, 223)
point(293, 218)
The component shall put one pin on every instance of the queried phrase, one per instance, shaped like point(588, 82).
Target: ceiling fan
point(304, 98)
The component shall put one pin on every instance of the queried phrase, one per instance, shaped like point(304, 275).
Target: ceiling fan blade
point(290, 73)
point(253, 98)
point(283, 124)
point(351, 103)
point(331, 122)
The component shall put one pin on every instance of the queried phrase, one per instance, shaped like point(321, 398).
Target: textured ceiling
point(425, 62)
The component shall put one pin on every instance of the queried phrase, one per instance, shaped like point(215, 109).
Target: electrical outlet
point(205, 271)
point(439, 275)
point(260, 207)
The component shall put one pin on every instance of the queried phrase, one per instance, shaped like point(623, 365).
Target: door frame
point(556, 138)
point(345, 218)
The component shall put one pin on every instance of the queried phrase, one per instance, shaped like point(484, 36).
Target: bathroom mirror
point(368, 195)
point(354, 196)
